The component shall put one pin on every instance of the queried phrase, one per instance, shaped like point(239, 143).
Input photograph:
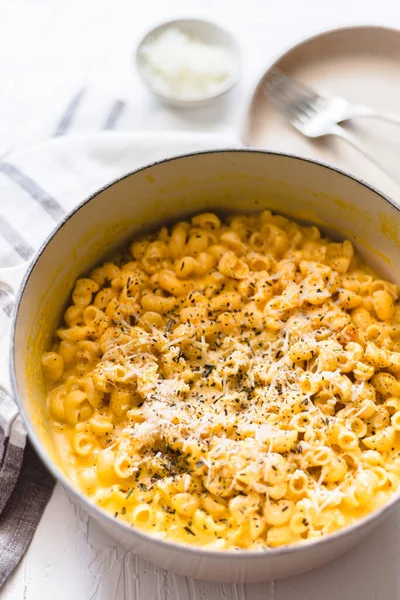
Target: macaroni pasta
point(230, 384)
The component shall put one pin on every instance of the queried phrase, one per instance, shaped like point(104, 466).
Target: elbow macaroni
point(233, 384)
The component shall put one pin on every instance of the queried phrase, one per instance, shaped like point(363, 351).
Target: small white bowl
point(201, 31)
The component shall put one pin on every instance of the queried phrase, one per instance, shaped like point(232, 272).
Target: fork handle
point(368, 111)
point(351, 139)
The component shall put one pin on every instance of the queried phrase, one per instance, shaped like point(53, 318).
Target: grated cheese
point(182, 67)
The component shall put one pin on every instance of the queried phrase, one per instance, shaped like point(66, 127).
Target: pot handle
point(10, 279)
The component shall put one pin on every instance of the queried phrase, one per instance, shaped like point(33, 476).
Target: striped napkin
point(37, 188)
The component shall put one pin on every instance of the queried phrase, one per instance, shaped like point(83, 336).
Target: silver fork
point(313, 114)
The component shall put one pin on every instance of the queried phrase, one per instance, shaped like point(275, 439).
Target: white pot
point(234, 180)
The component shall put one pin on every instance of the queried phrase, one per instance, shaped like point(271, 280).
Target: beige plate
point(361, 64)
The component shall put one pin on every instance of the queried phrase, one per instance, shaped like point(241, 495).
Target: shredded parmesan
point(183, 67)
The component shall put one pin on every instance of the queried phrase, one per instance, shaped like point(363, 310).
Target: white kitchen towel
point(38, 187)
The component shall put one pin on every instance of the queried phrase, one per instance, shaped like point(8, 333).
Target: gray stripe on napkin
point(15, 239)
point(6, 303)
point(9, 472)
point(49, 203)
point(114, 114)
point(3, 445)
point(69, 114)
point(11, 447)
point(23, 511)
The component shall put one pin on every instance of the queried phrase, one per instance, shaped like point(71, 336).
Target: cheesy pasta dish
point(230, 384)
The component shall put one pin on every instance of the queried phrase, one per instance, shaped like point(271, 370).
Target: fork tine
point(295, 85)
point(279, 86)
point(291, 89)
point(285, 104)
point(287, 92)
point(293, 105)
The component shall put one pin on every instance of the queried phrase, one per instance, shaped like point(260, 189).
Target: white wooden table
point(47, 51)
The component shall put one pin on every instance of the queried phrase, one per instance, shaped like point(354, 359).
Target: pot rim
point(60, 476)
